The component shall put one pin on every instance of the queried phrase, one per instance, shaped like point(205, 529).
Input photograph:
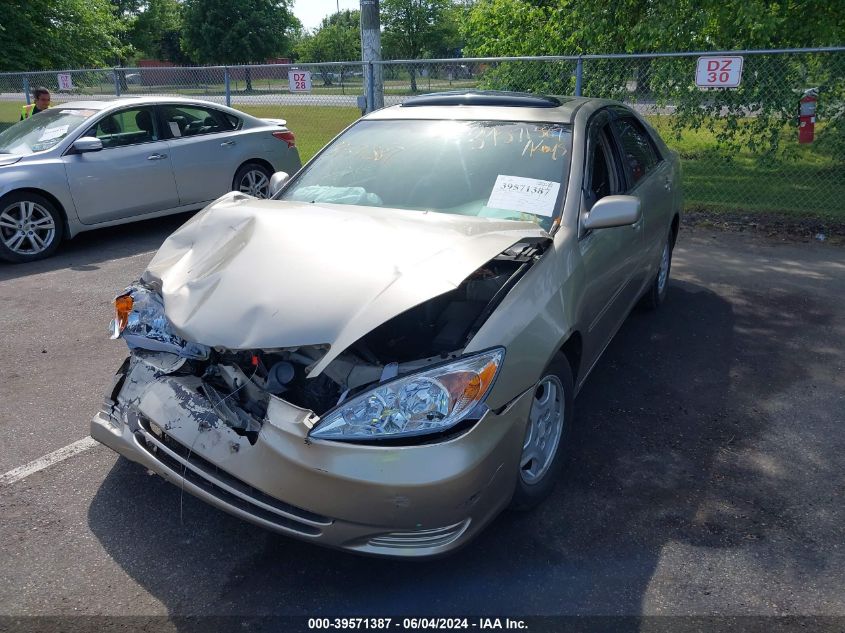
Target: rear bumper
point(404, 501)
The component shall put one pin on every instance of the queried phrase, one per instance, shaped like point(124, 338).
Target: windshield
point(497, 169)
point(42, 131)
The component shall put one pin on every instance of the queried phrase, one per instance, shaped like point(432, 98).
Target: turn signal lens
point(122, 307)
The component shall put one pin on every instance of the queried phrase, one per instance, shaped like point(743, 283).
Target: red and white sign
point(299, 80)
point(718, 72)
point(65, 82)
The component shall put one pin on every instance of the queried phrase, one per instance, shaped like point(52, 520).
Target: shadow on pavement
point(87, 250)
point(673, 399)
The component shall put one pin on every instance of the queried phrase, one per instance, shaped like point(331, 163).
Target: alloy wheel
point(27, 228)
point(255, 183)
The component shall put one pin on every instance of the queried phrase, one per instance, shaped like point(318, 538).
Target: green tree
point(770, 83)
point(416, 29)
point(156, 27)
point(53, 34)
point(237, 31)
point(562, 27)
point(336, 39)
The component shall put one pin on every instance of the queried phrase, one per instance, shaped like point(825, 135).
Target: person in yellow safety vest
point(42, 102)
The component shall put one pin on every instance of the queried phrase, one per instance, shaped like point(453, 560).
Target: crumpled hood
point(263, 274)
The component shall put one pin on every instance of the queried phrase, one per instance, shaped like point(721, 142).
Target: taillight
point(286, 136)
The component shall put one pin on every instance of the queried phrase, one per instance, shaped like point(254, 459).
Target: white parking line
point(16, 474)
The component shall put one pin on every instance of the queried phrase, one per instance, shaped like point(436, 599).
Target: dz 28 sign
point(299, 80)
point(718, 72)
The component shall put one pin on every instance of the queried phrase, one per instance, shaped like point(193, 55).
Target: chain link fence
point(739, 146)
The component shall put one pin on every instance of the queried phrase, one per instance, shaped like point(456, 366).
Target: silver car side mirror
point(613, 211)
point(277, 181)
point(87, 144)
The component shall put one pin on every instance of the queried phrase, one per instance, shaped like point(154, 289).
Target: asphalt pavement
point(708, 479)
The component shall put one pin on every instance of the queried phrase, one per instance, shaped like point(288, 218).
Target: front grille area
point(420, 538)
point(178, 458)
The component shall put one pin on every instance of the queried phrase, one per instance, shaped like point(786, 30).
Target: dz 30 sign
point(718, 72)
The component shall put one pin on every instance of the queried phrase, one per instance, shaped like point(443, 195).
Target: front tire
point(31, 227)
point(547, 441)
point(253, 179)
point(656, 294)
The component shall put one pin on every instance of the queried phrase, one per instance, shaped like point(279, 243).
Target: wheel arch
point(258, 161)
point(572, 350)
point(676, 226)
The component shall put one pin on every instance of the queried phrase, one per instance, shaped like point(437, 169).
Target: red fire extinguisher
point(807, 116)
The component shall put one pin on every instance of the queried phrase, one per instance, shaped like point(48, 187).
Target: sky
point(311, 12)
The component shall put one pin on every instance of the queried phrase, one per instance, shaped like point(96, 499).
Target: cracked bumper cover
point(409, 501)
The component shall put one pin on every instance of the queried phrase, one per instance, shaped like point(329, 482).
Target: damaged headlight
point(140, 320)
point(428, 402)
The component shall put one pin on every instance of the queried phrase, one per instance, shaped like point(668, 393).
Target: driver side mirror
point(277, 181)
point(87, 144)
point(613, 211)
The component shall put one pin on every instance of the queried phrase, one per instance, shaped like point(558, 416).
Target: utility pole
point(371, 52)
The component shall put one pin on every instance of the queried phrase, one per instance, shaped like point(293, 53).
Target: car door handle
point(156, 156)
point(227, 143)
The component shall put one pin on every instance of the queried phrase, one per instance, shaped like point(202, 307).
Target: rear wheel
point(253, 179)
point(546, 445)
point(30, 227)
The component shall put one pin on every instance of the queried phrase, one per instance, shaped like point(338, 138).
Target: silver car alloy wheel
point(27, 228)
point(545, 427)
point(663, 274)
point(255, 183)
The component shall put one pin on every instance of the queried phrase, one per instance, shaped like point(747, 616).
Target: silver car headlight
point(431, 401)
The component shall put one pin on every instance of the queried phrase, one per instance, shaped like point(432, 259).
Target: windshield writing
point(498, 169)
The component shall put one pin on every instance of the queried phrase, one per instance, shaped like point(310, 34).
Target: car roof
point(490, 105)
point(140, 100)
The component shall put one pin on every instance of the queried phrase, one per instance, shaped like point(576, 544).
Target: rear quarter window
point(187, 120)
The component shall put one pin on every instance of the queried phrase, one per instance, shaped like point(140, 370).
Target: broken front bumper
point(408, 501)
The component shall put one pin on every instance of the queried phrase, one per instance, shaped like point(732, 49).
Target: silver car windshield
point(496, 169)
point(42, 131)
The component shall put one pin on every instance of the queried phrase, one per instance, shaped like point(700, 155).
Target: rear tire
point(548, 434)
point(656, 294)
point(31, 227)
point(253, 179)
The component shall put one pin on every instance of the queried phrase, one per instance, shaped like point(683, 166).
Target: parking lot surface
point(708, 478)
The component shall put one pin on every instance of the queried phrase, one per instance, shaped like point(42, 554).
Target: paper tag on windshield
point(53, 132)
point(527, 195)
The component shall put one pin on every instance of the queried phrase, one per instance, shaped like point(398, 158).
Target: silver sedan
point(88, 164)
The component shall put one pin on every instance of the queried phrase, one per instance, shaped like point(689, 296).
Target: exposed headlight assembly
point(140, 320)
point(427, 402)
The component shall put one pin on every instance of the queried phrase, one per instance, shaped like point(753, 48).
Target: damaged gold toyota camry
point(384, 356)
